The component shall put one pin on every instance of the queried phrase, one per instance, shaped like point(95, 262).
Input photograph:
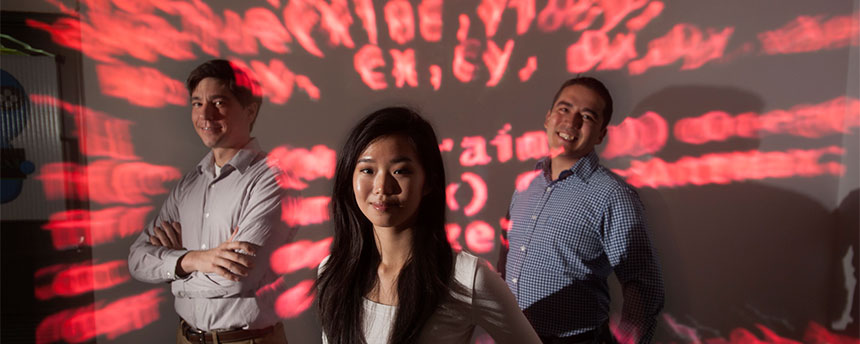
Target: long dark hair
point(424, 282)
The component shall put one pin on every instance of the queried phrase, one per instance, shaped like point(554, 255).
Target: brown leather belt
point(202, 337)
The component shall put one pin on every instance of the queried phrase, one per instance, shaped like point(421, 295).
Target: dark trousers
point(600, 335)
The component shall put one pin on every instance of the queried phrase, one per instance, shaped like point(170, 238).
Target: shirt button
point(206, 215)
point(211, 186)
point(514, 280)
point(522, 248)
point(548, 188)
point(168, 274)
point(534, 217)
point(203, 247)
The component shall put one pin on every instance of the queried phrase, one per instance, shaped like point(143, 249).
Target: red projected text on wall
point(77, 279)
point(609, 33)
point(111, 320)
point(394, 46)
point(116, 179)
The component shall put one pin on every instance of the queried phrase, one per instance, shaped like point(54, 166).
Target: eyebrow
point(564, 103)
point(217, 96)
point(395, 160)
point(597, 114)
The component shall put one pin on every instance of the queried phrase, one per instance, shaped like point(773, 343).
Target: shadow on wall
point(743, 253)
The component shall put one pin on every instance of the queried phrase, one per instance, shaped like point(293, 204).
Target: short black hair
point(594, 85)
point(241, 82)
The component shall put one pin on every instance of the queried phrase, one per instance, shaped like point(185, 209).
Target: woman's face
point(388, 182)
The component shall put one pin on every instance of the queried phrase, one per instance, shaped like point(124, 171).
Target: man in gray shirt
point(215, 232)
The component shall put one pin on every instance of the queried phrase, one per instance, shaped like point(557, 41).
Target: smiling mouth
point(566, 137)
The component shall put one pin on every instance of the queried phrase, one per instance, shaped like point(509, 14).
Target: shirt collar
point(582, 169)
point(241, 161)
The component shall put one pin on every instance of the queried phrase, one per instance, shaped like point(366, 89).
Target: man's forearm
point(184, 266)
point(643, 301)
point(635, 330)
point(153, 264)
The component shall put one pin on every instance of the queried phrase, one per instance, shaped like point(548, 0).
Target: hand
point(167, 235)
point(225, 260)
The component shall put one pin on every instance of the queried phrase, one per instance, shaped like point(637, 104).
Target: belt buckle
point(201, 335)
point(187, 330)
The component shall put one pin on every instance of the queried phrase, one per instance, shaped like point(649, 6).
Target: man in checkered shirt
point(575, 224)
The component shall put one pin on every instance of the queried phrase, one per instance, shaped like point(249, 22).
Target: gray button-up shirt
point(245, 195)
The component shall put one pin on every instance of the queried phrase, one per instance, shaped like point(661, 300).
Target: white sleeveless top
point(488, 303)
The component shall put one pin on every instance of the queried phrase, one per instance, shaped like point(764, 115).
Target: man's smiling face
point(218, 117)
point(574, 125)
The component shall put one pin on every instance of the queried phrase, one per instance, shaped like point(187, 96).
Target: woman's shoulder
point(465, 257)
point(468, 266)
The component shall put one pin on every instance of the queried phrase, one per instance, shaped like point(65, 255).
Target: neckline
point(377, 303)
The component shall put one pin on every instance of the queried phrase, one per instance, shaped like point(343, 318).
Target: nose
point(576, 119)
point(210, 112)
point(385, 184)
point(572, 119)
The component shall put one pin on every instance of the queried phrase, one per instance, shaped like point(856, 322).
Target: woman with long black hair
point(392, 276)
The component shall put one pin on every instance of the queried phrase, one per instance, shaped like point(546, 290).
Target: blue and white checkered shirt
point(566, 237)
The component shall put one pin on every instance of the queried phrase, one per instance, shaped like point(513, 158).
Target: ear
point(252, 111)
point(602, 136)
point(546, 119)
